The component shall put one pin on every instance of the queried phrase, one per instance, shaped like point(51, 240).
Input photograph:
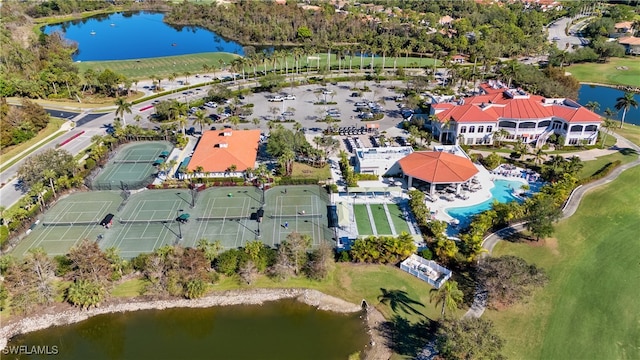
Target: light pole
point(178, 212)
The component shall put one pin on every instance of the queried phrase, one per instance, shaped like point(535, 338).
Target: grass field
point(590, 308)
point(592, 166)
point(380, 219)
point(301, 170)
point(607, 73)
point(11, 151)
point(398, 220)
point(630, 132)
point(362, 219)
point(163, 67)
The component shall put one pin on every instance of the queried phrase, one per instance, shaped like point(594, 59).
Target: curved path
point(570, 207)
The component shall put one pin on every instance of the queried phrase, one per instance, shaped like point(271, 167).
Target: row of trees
point(22, 123)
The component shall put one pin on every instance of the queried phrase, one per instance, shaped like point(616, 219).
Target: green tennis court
point(302, 209)
point(83, 210)
point(133, 165)
point(148, 219)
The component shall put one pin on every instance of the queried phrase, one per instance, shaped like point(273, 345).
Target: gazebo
point(437, 167)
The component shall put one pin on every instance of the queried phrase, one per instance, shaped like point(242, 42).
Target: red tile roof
point(497, 105)
point(239, 149)
point(438, 167)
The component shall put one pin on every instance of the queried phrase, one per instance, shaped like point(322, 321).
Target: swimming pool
point(502, 191)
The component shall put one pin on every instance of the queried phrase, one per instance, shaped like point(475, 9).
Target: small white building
point(381, 160)
point(426, 270)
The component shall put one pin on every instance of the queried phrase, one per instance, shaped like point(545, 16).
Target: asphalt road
point(563, 41)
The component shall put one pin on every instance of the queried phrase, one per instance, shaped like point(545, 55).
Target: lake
point(276, 330)
point(137, 35)
point(606, 97)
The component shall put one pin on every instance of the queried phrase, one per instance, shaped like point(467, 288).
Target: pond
point(137, 35)
point(606, 97)
point(276, 330)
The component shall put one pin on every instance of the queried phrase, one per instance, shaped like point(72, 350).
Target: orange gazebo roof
point(438, 167)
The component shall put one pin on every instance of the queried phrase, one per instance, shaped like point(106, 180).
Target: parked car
point(290, 97)
point(276, 99)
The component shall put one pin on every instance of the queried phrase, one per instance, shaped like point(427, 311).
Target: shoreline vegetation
point(53, 316)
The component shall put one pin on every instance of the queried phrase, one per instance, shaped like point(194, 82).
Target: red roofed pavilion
point(217, 151)
point(437, 167)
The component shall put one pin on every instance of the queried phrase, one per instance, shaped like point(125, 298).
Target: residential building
point(225, 152)
point(623, 28)
point(529, 118)
point(631, 44)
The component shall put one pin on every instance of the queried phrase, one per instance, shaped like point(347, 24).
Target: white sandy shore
point(375, 350)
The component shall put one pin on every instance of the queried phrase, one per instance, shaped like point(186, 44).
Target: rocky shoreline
point(375, 350)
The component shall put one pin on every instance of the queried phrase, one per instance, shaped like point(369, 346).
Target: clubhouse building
point(530, 118)
point(224, 153)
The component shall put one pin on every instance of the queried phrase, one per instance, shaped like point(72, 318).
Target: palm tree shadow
point(406, 338)
point(399, 300)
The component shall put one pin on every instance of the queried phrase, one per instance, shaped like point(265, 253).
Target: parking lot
point(299, 104)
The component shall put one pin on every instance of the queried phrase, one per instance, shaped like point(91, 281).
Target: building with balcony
point(530, 118)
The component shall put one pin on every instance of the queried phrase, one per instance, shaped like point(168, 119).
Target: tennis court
point(133, 165)
point(147, 220)
point(69, 221)
point(302, 209)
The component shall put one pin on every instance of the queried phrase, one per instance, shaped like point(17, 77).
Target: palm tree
point(122, 107)
point(201, 119)
point(286, 161)
point(186, 77)
point(448, 295)
point(593, 106)
point(183, 121)
point(625, 103)
point(607, 124)
point(49, 175)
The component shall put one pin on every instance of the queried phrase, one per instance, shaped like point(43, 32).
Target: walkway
point(373, 223)
point(391, 225)
point(570, 207)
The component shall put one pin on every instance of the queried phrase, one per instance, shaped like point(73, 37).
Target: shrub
point(367, 177)
point(426, 253)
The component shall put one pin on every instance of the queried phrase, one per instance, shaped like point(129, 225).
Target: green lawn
point(398, 221)
point(11, 151)
point(160, 66)
point(301, 170)
point(630, 132)
point(590, 309)
point(592, 166)
point(607, 73)
point(380, 219)
point(362, 219)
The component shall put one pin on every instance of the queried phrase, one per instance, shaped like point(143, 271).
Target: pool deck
point(485, 179)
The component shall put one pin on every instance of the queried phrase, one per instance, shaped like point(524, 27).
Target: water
point(278, 330)
point(502, 192)
point(137, 35)
point(606, 97)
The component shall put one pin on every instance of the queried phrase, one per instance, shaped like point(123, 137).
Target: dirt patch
point(552, 244)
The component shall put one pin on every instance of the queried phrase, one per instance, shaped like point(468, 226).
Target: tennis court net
point(162, 221)
point(221, 218)
point(74, 223)
point(298, 216)
point(133, 161)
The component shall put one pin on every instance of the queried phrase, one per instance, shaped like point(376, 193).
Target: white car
point(276, 99)
point(290, 97)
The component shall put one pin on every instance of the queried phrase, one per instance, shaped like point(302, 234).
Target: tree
point(122, 107)
point(541, 213)
point(60, 161)
point(90, 263)
point(85, 293)
point(321, 262)
point(50, 175)
point(201, 119)
point(210, 249)
point(248, 272)
point(607, 124)
point(292, 255)
point(624, 103)
point(448, 295)
point(509, 279)
point(468, 338)
point(30, 282)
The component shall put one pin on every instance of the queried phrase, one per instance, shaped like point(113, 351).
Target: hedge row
point(604, 171)
point(285, 180)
